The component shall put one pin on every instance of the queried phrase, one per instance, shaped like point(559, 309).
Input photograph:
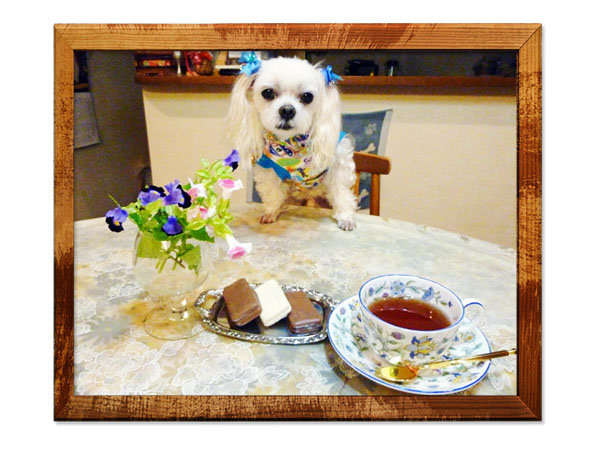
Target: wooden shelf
point(218, 81)
point(207, 80)
point(433, 81)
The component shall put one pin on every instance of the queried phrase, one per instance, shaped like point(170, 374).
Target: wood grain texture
point(296, 36)
point(529, 231)
point(63, 224)
point(524, 38)
point(376, 165)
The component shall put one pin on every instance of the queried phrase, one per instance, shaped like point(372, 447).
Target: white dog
point(285, 119)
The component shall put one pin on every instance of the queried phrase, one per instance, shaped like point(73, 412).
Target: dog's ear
point(244, 128)
point(325, 132)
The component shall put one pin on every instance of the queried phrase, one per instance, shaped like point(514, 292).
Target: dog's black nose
point(287, 112)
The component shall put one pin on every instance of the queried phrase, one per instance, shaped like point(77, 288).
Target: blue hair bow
point(330, 77)
point(250, 63)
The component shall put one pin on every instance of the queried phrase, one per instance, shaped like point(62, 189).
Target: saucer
point(345, 332)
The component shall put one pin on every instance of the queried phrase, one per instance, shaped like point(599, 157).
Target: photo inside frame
point(447, 121)
point(449, 130)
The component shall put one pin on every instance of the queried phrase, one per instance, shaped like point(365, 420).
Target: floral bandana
point(290, 159)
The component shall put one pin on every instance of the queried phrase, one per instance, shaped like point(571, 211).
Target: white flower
point(236, 249)
point(228, 185)
point(196, 190)
point(201, 211)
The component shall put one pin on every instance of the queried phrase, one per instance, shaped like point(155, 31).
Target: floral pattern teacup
point(414, 347)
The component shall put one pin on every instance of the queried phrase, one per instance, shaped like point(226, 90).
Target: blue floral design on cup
point(413, 346)
point(428, 295)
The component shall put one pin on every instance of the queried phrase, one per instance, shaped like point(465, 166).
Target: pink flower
point(236, 249)
point(196, 190)
point(228, 185)
point(201, 211)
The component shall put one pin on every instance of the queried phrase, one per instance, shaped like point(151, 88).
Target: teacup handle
point(473, 322)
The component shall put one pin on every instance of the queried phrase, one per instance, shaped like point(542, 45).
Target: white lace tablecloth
point(114, 355)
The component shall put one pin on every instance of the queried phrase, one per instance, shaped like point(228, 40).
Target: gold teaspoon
point(399, 372)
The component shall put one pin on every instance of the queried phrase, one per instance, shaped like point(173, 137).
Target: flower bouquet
point(172, 252)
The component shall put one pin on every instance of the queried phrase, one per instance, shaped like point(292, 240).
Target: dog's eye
point(268, 94)
point(306, 98)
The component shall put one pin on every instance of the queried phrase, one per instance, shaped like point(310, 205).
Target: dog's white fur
point(250, 116)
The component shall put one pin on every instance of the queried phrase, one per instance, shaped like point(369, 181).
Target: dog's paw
point(346, 224)
point(268, 218)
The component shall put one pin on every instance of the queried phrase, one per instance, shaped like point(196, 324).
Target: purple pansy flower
point(172, 227)
point(177, 196)
point(115, 218)
point(150, 194)
point(187, 199)
point(232, 159)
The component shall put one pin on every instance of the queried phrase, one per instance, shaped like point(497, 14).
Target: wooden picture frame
point(525, 39)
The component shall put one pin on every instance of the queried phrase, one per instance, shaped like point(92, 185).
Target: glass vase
point(172, 271)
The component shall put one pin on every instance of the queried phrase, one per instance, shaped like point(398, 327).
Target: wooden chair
point(375, 165)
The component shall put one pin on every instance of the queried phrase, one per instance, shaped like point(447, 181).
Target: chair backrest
point(370, 131)
point(375, 165)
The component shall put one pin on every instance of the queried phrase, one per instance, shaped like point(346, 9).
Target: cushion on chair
point(370, 132)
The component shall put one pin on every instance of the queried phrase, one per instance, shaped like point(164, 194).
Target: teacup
point(411, 346)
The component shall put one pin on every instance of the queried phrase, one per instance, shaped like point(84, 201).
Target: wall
point(453, 155)
point(114, 165)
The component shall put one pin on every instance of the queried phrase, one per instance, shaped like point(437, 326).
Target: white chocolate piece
point(274, 303)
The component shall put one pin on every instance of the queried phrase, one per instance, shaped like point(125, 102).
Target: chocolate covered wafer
point(241, 302)
point(304, 317)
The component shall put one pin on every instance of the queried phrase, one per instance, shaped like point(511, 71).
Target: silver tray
point(215, 319)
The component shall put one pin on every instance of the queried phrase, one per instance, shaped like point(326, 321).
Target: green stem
point(176, 262)
point(162, 264)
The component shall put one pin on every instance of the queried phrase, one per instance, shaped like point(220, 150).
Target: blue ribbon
point(330, 77)
point(267, 163)
point(250, 63)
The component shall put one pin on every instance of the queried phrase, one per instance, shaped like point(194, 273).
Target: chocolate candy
point(304, 317)
point(241, 302)
point(273, 301)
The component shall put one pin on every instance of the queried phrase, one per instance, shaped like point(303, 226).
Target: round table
point(114, 355)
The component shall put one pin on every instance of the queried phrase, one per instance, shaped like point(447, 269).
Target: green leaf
point(222, 230)
point(227, 217)
point(153, 207)
point(171, 210)
point(148, 247)
point(201, 235)
point(131, 208)
point(160, 235)
point(197, 224)
point(137, 219)
point(193, 257)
